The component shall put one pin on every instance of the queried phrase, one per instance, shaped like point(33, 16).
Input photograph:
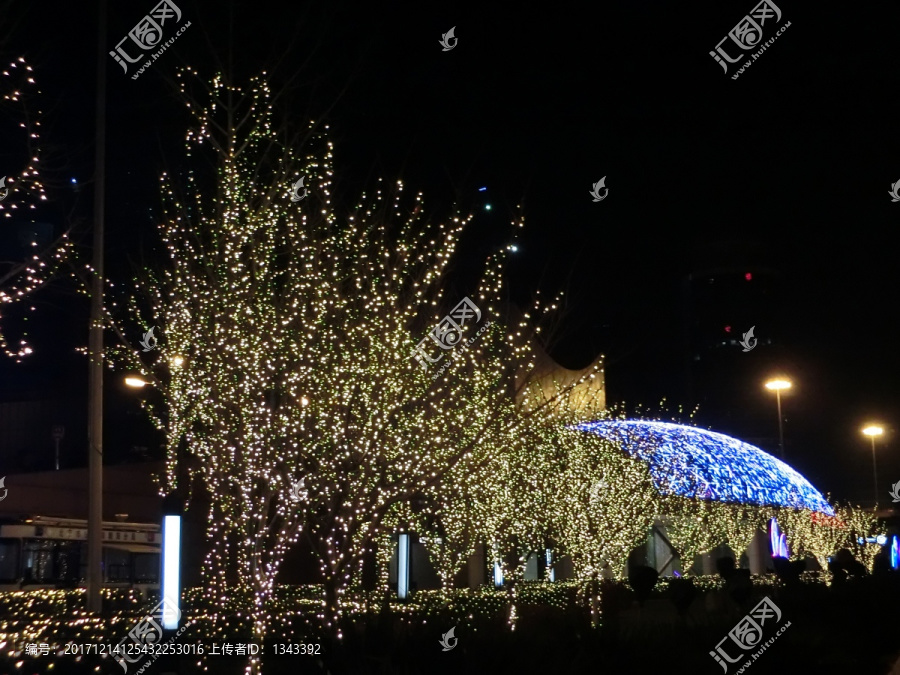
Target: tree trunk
point(332, 604)
point(254, 665)
point(263, 590)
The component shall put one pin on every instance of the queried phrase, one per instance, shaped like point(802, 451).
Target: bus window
point(9, 560)
point(118, 564)
point(146, 568)
point(38, 560)
point(68, 556)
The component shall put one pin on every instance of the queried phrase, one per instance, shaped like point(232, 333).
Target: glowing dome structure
point(701, 464)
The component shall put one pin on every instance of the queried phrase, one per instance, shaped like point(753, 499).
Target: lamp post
point(94, 575)
point(872, 431)
point(777, 385)
point(58, 433)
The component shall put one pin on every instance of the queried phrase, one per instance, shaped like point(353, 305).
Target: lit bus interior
point(42, 552)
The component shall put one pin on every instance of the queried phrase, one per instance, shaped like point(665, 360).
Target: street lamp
point(872, 431)
point(136, 382)
point(777, 385)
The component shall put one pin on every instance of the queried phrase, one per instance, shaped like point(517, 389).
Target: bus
point(45, 552)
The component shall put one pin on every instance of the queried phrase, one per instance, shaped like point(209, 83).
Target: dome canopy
point(693, 462)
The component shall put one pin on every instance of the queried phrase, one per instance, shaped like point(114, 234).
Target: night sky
point(790, 165)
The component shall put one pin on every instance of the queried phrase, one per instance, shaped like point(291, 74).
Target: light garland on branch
point(286, 338)
point(293, 326)
point(23, 193)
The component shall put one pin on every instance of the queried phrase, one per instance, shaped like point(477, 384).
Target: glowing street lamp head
point(778, 384)
point(135, 382)
point(177, 361)
point(873, 430)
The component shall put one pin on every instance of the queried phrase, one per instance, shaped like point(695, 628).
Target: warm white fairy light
point(287, 332)
point(296, 324)
point(20, 280)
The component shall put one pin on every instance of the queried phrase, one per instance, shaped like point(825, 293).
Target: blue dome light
point(701, 464)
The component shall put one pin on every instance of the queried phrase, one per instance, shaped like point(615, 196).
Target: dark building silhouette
point(731, 288)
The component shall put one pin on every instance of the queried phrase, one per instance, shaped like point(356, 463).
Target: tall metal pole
point(874, 471)
point(780, 429)
point(95, 406)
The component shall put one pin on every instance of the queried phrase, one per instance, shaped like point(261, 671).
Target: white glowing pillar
point(171, 581)
point(403, 567)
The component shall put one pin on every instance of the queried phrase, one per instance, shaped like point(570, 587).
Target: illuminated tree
point(739, 523)
point(286, 353)
point(858, 524)
point(821, 536)
point(509, 500)
point(696, 526)
point(606, 504)
point(21, 195)
point(699, 526)
point(508, 504)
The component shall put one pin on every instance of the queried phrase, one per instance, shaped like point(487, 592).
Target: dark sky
point(796, 157)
